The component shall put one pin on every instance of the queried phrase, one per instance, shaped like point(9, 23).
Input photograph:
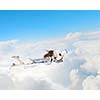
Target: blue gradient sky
point(39, 25)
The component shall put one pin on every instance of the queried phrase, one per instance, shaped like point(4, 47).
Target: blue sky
point(39, 25)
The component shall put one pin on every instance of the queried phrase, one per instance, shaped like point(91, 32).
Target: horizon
point(45, 24)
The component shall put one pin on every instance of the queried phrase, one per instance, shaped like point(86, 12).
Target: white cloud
point(92, 65)
point(71, 36)
point(92, 82)
point(78, 71)
point(5, 82)
point(76, 81)
point(36, 84)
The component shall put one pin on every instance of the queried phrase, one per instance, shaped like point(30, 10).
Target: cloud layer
point(80, 69)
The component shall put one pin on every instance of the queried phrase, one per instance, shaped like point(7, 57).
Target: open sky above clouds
point(38, 25)
point(81, 66)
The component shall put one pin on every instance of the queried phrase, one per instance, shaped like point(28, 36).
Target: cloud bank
point(80, 69)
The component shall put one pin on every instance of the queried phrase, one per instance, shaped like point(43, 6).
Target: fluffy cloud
point(92, 82)
point(6, 82)
point(80, 69)
point(36, 84)
point(75, 79)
